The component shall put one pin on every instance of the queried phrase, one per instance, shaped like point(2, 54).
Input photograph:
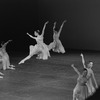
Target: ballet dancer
point(5, 57)
point(56, 45)
point(92, 87)
point(80, 92)
point(40, 48)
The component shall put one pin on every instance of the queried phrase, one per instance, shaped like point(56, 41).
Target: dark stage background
point(81, 31)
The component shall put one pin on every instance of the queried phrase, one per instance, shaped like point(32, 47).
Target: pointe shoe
point(11, 68)
point(21, 62)
point(12, 65)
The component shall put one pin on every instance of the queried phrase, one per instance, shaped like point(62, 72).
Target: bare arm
point(94, 80)
point(76, 70)
point(61, 27)
point(54, 26)
point(44, 28)
point(83, 61)
point(31, 36)
point(5, 44)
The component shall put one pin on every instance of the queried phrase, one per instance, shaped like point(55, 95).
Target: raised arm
point(31, 36)
point(54, 31)
point(5, 44)
point(61, 27)
point(44, 28)
point(83, 60)
point(54, 26)
point(76, 70)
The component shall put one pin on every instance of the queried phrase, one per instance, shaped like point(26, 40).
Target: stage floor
point(52, 79)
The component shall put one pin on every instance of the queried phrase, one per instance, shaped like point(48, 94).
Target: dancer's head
point(84, 72)
point(2, 43)
point(36, 33)
point(90, 64)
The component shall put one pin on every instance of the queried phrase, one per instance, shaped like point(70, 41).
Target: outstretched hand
point(9, 40)
point(55, 23)
point(81, 55)
point(72, 65)
point(47, 22)
point(64, 21)
point(28, 34)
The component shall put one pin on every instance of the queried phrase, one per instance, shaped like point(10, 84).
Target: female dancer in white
point(40, 48)
point(92, 87)
point(80, 91)
point(5, 57)
point(56, 45)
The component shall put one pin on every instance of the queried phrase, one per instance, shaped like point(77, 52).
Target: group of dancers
point(86, 82)
point(41, 49)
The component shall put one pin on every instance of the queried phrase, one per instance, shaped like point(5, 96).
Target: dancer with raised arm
point(45, 54)
point(40, 48)
point(80, 91)
point(92, 87)
point(5, 57)
point(56, 45)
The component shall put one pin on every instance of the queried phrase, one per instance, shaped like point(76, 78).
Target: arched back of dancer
point(80, 91)
point(5, 57)
point(56, 45)
point(92, 87)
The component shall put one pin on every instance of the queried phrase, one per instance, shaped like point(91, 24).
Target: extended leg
point(8, 62)
point(32, 52)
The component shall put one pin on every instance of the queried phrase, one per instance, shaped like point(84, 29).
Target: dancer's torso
point(82, 81)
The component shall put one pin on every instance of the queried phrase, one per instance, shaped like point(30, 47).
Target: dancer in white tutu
point(80, 92)
point(92, 84)
point(4, 57)
point(56, 45)
point(40, 48)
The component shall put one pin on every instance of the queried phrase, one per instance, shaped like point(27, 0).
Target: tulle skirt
point(56, 46)
point(41, 50)
point(81, 92)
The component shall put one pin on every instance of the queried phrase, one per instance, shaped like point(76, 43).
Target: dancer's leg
point(31, 53)
point(8, 66)
point(4, 63)
point(74, 94)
